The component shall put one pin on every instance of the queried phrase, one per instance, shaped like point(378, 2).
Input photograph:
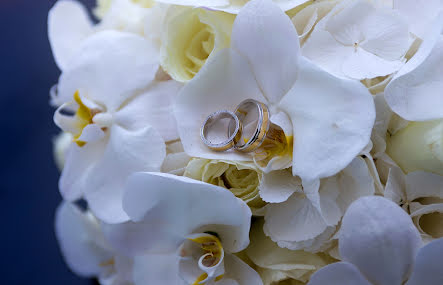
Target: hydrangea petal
point(415, 91)
point(338, 274)
point(389, 237)
point(428, 268)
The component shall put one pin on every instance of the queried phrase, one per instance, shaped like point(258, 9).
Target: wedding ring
point(233, 137)
point(266, 137)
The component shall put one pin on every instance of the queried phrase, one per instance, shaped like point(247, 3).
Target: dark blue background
point(28, 176)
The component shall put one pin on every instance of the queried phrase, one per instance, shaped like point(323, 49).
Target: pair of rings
point(263, 130)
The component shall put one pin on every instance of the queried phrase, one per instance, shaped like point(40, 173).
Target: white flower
point(359, 40)
point(415, 91)
point(380, 245)
point(419, 13)
point(192, 35)
point(176, 159)
point(330, 122)
point(183, 231)
point(122, 119)
point(420, 195)
point(418, 146)
point(69, 24)
point(61, 144)
point(307, 217)
point(231, 6)
point(85, 249)
point(277, 264)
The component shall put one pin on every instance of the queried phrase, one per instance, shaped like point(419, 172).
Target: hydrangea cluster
point(353, 196)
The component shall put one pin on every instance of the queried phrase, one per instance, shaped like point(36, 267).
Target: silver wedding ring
point(233, 136)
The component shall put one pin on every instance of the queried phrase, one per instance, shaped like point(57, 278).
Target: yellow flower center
point(213, 251)
point(83, 117)
point(199, 49)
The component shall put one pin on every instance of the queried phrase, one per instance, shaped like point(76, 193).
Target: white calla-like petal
point(338, 274)
point(109, 68)
point(126, 152)
point(331, 125)
point(274, 61)
point(166, 208)
point(68, 25)
point(223, 82)
point(415, 91)
point(79, 238)
point(428, 268)
point(390, 244)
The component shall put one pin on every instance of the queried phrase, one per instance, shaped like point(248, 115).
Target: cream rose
point(193, 35)
point(241, 178)
point(418, 146)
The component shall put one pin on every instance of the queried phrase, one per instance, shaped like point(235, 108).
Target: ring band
point(261, 129)
point(233, 136)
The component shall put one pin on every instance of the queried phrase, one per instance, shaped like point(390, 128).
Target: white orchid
point(85, 249)
point(122, 119)
point(183, 231)
point(329, 118)
point(231, 6)
point(380, 245)
point(359, 40)
point(420, 194)
point(415, 91)
point(69, 23)
point(306, 218)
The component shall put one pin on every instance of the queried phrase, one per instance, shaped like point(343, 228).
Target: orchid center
point(201, 259)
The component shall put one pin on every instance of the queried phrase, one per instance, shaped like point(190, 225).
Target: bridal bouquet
point(236, 142)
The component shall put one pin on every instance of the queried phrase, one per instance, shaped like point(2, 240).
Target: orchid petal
point(390, 244)
point(223, 82)
point(167, 208)
point(265, 35)
point(68, 25)
point(151, 268)
point(332, 121)
point(79, 238)
point(108, 68)
point(154, 108)
point(237, 270)
point(126, 152)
